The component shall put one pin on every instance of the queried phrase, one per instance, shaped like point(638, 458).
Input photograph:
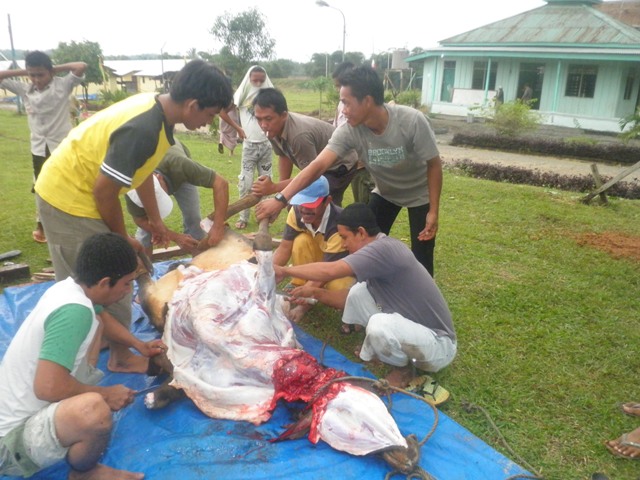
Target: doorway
point(533, 75)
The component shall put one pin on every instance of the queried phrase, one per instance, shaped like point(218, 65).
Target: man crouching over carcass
point(50, 405)
point(311, 235)
point(406, 319)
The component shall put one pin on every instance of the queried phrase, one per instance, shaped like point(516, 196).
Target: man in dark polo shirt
point(297, 139)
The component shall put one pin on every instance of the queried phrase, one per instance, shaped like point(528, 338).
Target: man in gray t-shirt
point(406, 319)
point(397, 146)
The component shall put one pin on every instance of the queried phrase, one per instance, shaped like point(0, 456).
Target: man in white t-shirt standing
point(256, 148)
point(46, 99)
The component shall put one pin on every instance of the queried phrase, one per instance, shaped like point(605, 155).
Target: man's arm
point(184, 241)
point(318, 271)
point(77, 68)
point(283, 253)
point(53, 383)
point(331, 298)
point(225, 116)
point(118, 333)
point(270, 208)
point(434, 181)
point(21, 72)
point(265, 186)
point(105, 193)
point(220, 204)
point(157, 228)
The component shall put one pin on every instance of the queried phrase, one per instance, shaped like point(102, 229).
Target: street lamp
point(322, 3)
point(164, 87)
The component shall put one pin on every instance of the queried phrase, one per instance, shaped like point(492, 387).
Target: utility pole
point(14, 64)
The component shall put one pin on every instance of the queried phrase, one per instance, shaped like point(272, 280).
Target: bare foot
point(400, 376)
point(130, 363)
point(297, 313)
point(102, 472)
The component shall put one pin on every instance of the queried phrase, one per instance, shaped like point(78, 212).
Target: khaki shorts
point(33, 446)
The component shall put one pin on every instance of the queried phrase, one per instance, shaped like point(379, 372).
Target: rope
point(471, 407)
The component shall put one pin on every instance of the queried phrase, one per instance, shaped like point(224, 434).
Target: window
point(628, 88)
point(480, 75)
point(581, 81)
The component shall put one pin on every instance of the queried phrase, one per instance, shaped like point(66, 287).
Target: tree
point(87, 52)
point(320, 84)
point(244, 36)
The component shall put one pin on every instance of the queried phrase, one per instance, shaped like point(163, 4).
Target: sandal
point(630, 408)
point(220, 148)
point(429, 389)
point(614, 447)
point(241, 224)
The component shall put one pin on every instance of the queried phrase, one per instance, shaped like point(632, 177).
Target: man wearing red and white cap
point(311, 235)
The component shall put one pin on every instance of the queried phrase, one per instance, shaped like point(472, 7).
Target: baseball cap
point(313, 195)
point(165, 204)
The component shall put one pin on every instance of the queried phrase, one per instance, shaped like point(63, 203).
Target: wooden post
point(613, 181)
point(598, 181)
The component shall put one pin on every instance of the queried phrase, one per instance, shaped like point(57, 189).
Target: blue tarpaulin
point(180, 442)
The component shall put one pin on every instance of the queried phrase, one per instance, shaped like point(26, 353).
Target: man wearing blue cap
point(311, 235)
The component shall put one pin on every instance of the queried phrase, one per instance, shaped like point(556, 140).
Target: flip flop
point(38, 237)
point(630, 405)
point(429, 389)
point(623, 442)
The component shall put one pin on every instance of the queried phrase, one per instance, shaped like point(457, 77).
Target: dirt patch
point(618, 245)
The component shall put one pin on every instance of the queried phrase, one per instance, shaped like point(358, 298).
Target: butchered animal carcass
point(234, 352)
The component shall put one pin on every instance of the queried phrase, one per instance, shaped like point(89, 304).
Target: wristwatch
point(281, 198)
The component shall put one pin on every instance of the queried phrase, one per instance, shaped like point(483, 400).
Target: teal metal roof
point(559, 23)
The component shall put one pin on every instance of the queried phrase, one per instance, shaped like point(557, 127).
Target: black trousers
point(38, 162)
point(386, 213)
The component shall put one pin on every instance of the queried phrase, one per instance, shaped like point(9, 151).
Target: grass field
point(547, 326)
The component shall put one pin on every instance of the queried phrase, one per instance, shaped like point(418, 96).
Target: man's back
point(399, 283)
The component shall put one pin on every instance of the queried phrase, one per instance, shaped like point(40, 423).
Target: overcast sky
point(300, 27)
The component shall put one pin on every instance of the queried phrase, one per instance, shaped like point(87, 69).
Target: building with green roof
point(581, 59)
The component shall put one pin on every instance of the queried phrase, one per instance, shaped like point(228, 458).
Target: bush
point(412, 98)
point(517, 175)
point(605, 152)
point(108, 97)
point(513, 118)
point(633, 121)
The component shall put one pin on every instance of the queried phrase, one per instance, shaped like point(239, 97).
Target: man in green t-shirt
point(178, 175)
point(50, 406)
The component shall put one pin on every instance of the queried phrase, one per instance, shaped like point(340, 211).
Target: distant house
point(137, 76)
point(581, 59)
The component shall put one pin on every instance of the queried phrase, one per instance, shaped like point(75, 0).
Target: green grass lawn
point(547, 328)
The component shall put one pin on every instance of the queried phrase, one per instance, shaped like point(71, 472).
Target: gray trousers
point(255, 156)
point(65, 235)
